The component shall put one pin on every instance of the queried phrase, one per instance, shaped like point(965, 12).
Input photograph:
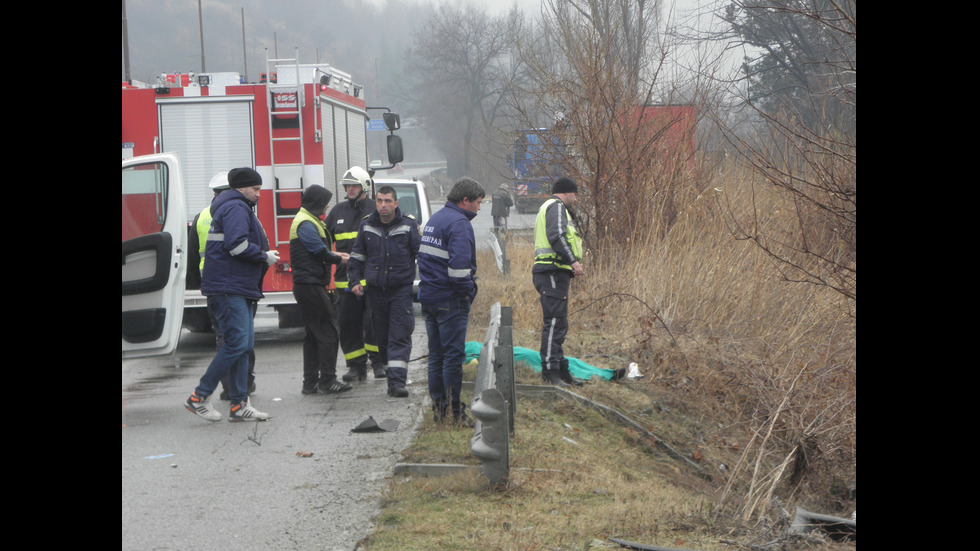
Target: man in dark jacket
point(312, 260)
point(196, 249)
point(500, 209)
point(447, 268)
point(384, 256)
point(353, 312)
point(232, 282)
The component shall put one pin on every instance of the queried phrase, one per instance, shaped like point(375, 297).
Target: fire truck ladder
point(274, 87)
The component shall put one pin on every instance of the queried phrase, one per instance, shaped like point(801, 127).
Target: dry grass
point(750, 376)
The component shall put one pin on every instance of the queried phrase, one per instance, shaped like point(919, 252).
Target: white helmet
point(220, 182)
point(357, 176)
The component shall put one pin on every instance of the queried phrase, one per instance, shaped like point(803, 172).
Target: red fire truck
point(304, 125)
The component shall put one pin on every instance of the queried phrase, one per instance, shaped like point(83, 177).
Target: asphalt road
point(483, 222)
point(191, 484)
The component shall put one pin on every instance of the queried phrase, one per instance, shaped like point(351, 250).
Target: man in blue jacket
point(384, 256)
point(232, 282)
point(447, 270)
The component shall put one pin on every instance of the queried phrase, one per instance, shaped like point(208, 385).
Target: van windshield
point(408, 199)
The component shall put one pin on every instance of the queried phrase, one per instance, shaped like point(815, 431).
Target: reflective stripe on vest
point(543, 253)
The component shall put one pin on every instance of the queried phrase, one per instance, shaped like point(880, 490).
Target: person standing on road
point(384, 256)
point(500, 209)
point(198, 239)
point(354, 313)
point(557, 259)
point(447, 268)
point(232, 282)
point(312, 260)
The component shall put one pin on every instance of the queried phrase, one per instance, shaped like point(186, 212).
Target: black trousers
point(552, 290)
point(322, 337)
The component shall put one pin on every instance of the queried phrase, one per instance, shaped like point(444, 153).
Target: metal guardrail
point(494, 397)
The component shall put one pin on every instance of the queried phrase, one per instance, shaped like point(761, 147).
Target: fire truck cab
point(305, 124)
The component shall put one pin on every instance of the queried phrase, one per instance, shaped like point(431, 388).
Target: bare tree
point(462, 56)
point(592, 68)
point(804, 144)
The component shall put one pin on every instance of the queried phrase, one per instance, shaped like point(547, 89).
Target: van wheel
point(196, 320)
point(289, 316)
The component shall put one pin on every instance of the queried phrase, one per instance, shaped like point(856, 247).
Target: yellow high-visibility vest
point(543, 253)
point(203, 226)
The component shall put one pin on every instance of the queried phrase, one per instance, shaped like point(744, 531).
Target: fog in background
point(370, 39)
point(367, 38)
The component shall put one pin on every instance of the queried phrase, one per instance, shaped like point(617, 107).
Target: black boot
point(356, 372)
point(552, 377)
point(440, 411)
point(566, 375)
point(460, 418)
point(380, 372)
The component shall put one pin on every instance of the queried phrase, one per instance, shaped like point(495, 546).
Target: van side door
point(154, 245)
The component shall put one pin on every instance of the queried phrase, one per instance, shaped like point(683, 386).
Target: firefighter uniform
point(556, 247)
point(354, 313)
point(384, 256)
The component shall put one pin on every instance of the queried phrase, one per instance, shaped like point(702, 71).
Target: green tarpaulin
point(532, 358)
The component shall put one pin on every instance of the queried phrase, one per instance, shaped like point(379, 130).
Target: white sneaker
point(202, 407)
point(245, 412)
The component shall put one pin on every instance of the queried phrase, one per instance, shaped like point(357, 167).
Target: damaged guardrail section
point(494, 392)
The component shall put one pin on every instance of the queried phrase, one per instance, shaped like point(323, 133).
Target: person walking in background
point(500, 209)
point(312, 261)
point(557, 259)
point(232, 282)
point(354, 313)
point(384, 256)
point(447, 288)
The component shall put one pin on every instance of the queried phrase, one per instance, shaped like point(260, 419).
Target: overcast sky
point(165, 35)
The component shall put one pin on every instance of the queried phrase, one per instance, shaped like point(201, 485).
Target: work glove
point(271, 257)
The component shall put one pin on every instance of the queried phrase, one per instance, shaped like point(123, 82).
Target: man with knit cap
point(231, 279)
point(196, 244)
point(557, 259)
point(313, 260)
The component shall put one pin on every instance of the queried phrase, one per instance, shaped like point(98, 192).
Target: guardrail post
point(491, 441)
point(504, 363)
point(503, 254)
point(491, 434)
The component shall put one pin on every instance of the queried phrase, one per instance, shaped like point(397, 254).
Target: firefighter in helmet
point(354, 313)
